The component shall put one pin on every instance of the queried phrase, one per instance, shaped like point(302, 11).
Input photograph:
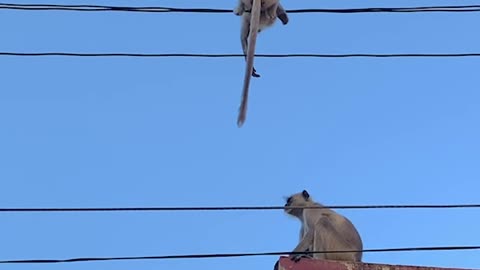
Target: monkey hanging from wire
point(256, 16)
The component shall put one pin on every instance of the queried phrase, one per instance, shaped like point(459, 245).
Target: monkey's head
point(297, 200)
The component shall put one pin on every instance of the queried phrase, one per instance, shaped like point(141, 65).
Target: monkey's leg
point(328, 238)
point(254, 71)
point(244, 35)
point(254, 22)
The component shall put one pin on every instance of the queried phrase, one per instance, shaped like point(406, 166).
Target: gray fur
point(254, 21)
point(324, 230)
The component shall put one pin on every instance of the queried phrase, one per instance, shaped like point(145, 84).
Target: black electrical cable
point(33, 54)
point(90, 8)
point(225, 255)
point(232, 208)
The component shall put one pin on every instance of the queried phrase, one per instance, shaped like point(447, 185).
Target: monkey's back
point(335, 232)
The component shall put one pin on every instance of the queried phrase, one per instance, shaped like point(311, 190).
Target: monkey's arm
point(244, 31)
point(301, 233)
point(304, 245)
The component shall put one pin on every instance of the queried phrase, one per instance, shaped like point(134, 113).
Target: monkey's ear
point(305, 194)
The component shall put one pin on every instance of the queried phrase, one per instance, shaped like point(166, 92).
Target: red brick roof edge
point(310, 264)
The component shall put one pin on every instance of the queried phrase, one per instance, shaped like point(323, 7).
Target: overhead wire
point(94, 8)
point(204, 55)
point(236, 208)
point(449, 8)
point(229, 255)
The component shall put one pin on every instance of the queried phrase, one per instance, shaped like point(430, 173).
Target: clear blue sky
point(110, 132)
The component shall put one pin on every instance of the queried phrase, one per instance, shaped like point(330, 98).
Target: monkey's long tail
point(252, 40)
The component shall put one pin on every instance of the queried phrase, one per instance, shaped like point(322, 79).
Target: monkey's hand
point(238, 11)
point(297, 257)
point(304, 246)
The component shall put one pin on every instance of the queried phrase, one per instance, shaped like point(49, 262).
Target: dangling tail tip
point(240, 122)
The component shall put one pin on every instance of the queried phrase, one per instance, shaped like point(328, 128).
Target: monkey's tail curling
point(252, 40)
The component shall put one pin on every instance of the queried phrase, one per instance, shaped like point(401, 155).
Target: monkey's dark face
point(297, 200)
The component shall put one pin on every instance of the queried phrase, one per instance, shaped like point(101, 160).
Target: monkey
point(256, 16)
point(267, 18)
point(323, 230)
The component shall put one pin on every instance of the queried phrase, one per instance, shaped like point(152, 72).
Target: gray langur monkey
point(256, 16)
point(323, 230)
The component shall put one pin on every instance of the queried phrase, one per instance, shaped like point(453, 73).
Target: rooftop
point(310, 264)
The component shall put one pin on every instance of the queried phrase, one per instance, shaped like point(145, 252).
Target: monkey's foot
point(283, 17)
point(255, 74)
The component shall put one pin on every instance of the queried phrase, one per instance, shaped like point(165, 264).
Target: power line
point(203, 55)
point(225, 255)
point(95, 8)
point(233, 208)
